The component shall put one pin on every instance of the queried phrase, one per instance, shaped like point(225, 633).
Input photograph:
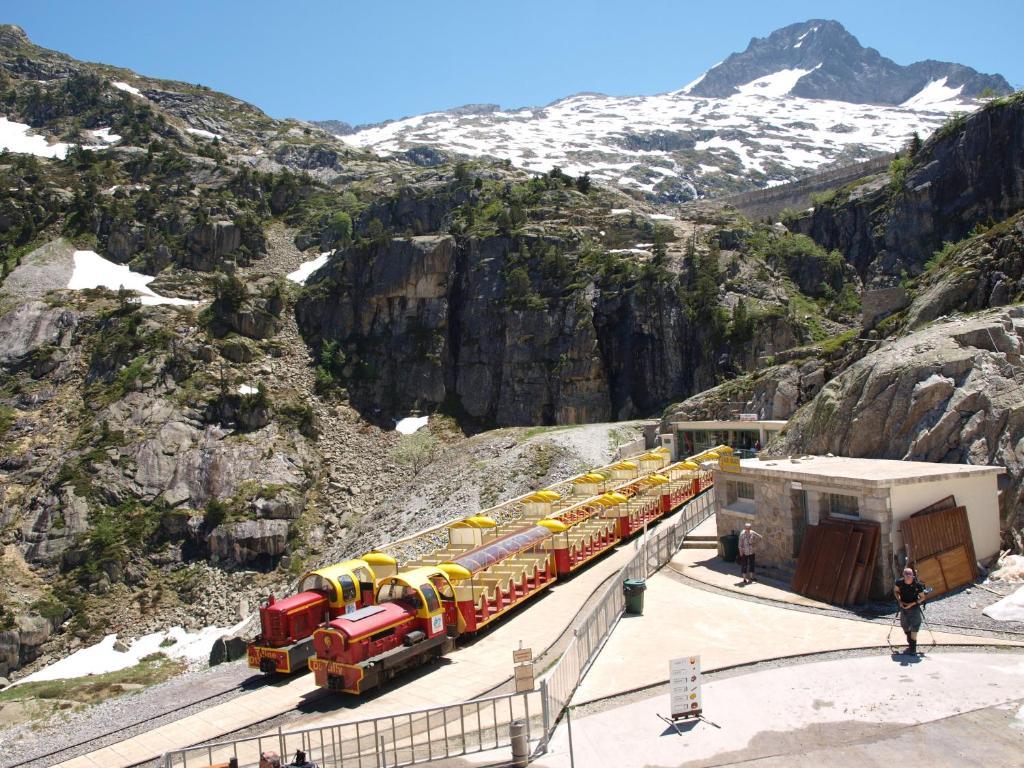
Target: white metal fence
point(480, 725)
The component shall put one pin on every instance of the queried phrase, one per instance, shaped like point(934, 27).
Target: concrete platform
point(947, 709)
point(705, 566)
point(680, 620)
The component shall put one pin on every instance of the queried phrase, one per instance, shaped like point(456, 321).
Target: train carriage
point(501, 573)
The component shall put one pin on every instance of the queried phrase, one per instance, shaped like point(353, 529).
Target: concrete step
point(702, 538)
point(687, 544)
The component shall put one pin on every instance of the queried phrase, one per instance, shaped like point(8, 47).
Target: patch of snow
point(935, 94)
point(776, 84)
point(104, 135)
point(307, 268)
point(203, 134)
point(411, 424)
point(245, 389)
point(621, 211)
point(125, 87)
point(661, 217)
point(93, 271)
point(1010, 608)
point(800, 40)
point(15, 137)
point(101, 657)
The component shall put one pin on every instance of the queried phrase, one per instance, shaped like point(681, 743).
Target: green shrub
point(415, 451)
point(898, 169)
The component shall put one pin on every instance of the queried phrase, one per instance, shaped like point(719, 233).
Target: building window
point(737, 490)
point(739, 497)
point(841, 505)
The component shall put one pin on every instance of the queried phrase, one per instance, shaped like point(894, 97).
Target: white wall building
point(782, 496)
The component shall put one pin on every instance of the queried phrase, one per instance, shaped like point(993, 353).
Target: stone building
point(782, 496)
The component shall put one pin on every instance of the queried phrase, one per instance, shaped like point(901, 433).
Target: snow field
point(15, 137)
point(93, 271)
point(761, 123)
point(307, 268)
point(193, 647)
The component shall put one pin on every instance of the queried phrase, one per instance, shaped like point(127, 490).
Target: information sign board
point(684, 687)
point(728, 463)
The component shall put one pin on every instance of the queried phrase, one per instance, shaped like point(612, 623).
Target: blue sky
point(370, 61)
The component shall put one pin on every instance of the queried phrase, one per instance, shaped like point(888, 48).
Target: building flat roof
point(730, 424)
point(873, 472)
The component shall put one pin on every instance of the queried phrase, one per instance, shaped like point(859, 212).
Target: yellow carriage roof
point(344, 568)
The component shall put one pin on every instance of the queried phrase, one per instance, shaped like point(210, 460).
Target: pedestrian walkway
point(680, 620)
point(705, 566)
point(468, 672)
point(946, 709)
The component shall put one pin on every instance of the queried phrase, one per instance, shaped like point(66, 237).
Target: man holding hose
point(909, 594)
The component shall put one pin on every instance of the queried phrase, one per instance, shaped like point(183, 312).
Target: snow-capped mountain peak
point(807, 96)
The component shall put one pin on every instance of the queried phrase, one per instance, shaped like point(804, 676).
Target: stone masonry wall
point(779, 519)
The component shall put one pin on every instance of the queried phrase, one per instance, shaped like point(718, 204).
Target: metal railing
point(479, 725)
point(654, 551)
point(407, 738)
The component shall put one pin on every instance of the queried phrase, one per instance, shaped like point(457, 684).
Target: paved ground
point(680, 619)
point(946, 709)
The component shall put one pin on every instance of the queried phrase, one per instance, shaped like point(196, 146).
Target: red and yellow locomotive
point(286, 626)
point(414, 620)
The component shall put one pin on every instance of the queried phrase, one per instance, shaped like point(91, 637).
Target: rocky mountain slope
point(965, 180)
point(210, 320)
point(806, 97)
point(938, 378)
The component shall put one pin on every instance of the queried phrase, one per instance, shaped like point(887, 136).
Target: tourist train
point(359, 623)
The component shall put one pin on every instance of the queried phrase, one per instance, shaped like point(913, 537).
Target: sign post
point(522, 658)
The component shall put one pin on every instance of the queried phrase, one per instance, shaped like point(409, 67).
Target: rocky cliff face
point(947, 393)
point(970, 173)
point(834, 65)
point(522, 329)
point(983, 271)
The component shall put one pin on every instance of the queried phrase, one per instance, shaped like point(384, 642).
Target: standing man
point(748, 538)
point(909, 594)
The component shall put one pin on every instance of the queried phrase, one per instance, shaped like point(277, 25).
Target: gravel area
point(67, 735)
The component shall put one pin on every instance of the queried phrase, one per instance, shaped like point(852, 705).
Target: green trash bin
point(633, 589)
point(729, 547)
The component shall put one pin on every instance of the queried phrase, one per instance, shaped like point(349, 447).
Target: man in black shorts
point(909, 594)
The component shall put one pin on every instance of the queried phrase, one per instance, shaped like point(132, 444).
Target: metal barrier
point(561, 682)
point(478, 725)
point(408, 738)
